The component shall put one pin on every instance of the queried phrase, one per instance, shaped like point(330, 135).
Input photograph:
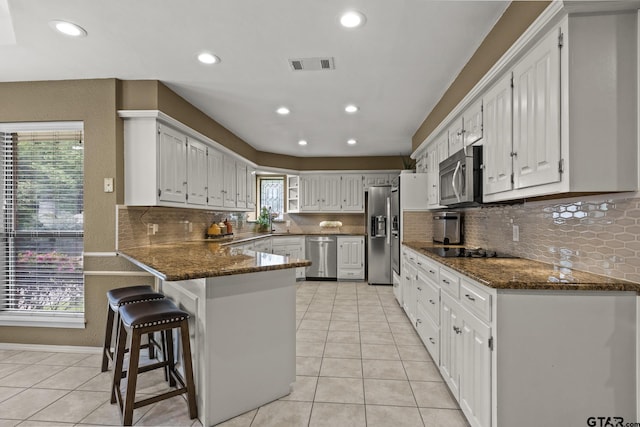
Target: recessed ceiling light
point(302, 142)
point(68, 28)
point(352, 19)
point(283, 111)
point(208, 58)
point(351, 108)
point(352, 142)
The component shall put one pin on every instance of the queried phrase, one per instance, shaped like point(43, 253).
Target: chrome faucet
point(271, 230)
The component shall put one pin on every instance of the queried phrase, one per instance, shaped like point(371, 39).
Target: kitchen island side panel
point(564, 356)
point(246, 353)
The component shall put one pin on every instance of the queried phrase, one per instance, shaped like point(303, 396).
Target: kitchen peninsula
point(243, 320)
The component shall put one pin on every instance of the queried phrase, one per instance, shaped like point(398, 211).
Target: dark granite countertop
point(199, 259)
point(522, 273)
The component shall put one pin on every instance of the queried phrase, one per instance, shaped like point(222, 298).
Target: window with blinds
point(42, 223)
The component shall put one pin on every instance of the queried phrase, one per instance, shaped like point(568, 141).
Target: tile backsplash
point(599, 234)
point(174, 224)
point(178, 224)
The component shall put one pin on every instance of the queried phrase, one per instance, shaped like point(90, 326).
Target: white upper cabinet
point(496, 149)
point(456, 136)
point(251, 188)
point(558, 113)
point(330, 193)
point(536, 115)
point(472, 122)
point(172, 165)
point(229, 182)
point(570, 129)
point(241, 185)
point(196, 172)
point(352, 193)
point(309, 193)
point(436, 152)
point(215, 178)
point(327, 193)
point(467, 129)
point(371, 180)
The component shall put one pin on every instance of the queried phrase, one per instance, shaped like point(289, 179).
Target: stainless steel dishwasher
point(322, 251)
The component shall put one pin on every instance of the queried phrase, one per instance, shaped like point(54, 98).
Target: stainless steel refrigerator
point(379, 236)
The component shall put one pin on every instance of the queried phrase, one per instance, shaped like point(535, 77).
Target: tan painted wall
point(515, 20)
point(94, 102)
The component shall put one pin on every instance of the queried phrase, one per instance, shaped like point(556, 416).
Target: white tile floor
point(359, 363)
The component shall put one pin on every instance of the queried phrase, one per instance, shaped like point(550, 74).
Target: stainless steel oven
point(461, 178)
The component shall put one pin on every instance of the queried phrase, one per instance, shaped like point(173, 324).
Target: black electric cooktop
point(447, 252)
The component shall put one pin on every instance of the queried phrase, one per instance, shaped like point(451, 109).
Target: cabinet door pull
point(419, 288)
point(446, 281)
point(432, 272)
point(469, 297)
point(457, 330)
point(418, 321)
point(432, 341)
point(432, 302)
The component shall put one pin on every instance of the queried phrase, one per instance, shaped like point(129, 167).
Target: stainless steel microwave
point(461, 178)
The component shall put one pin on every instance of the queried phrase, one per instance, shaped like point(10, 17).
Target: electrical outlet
point(152, 229)
point(516, 233)
point(108, 185)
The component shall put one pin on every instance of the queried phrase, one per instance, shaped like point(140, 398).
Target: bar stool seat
point(143, 318)
point(116, 298)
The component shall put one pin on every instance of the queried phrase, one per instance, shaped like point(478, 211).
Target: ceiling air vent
point(311, 64)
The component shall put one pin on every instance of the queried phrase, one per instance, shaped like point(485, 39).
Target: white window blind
point(42, 227)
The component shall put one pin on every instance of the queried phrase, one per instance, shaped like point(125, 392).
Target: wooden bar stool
point(118, 297)
point(139, 319)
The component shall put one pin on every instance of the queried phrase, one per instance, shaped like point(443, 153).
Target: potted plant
point(263, 221)
point(408, 164)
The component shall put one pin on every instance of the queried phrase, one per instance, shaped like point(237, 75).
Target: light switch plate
point(516, 233)
point(108, 185)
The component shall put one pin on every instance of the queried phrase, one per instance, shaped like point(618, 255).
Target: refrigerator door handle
point(388, 223)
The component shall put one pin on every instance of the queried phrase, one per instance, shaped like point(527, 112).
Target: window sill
point(40, 321)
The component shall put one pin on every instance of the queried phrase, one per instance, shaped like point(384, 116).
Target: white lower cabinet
point(262, 245)
point(429, 332)
point(451, 315)
point(409, 300)
point(475, 370)
point(350, 257)
point(292, 247)
point(524, 357)
point(450, 352)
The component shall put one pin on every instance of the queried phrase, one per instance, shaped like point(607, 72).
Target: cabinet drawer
point(477, 300)
point(428, 297)
point(350, 274)
point(431, 302)
point(450, 282)
point(287, 241)
point(429, 267)
point(430, 335)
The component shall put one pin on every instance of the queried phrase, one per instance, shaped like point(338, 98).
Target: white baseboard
point(50, 348)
